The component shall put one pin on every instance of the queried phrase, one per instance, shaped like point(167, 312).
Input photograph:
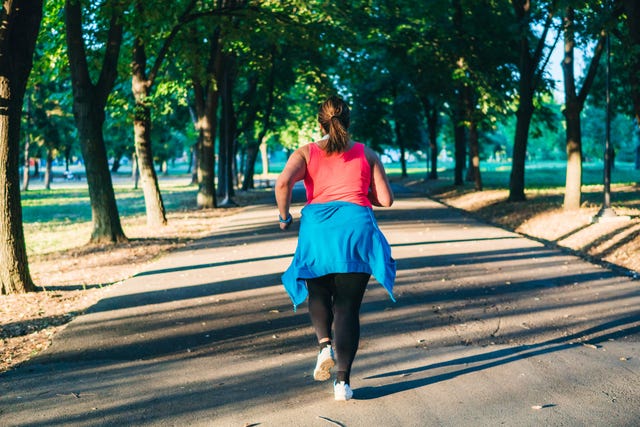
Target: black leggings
point(335, 299)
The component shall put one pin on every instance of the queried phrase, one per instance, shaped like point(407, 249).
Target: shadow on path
point(625, 326)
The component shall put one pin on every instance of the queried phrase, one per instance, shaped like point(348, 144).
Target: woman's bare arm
point(293, 172)
point(381, 193)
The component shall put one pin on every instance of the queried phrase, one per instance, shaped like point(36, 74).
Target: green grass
point(73, 205)
point(58, 219)
point(538, 175)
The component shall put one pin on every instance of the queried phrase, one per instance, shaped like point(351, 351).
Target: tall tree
point(228, 129)
point(20, 21)
point(574, 103)
point(534, 56)
point(632, 11)
point(461, 90)
point(143, 82)
point(257, 104)
point(89, 101)
point(431, 76)
point(206, 99)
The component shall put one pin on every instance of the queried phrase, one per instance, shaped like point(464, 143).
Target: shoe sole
point(322, 372)
point(342, 397)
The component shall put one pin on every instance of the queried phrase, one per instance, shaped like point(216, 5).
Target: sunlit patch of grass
point(43, 238)
point(60, 219)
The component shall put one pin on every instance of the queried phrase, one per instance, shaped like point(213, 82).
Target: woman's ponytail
point(334, 117)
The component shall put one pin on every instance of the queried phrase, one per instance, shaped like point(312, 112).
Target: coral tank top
point(339, 176)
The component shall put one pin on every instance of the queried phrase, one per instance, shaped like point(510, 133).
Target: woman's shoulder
point(304, 150)
point(371, 155)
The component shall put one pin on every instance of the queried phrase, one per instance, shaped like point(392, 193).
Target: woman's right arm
point(381, 193)
point(293, 172)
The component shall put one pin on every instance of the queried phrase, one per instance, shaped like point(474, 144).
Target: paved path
point(489, 329)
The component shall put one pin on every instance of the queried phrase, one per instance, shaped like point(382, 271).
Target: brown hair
point(334, 117)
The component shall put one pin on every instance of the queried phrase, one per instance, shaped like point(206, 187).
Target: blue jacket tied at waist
point(338, 237)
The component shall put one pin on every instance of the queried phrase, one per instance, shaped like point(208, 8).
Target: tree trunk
point(89, 102)
point(574, 103)
point(227, 132)
point(206, 100)
point(140, 86)
point(573, 185)
point(26, 166)
point(637, 162)
point(116, 165)
point(135, 176)
point(67, 158)
point(193, 163)
point(433, 146)
point(474, 155)
point(460, 144)
point(18, 34)
point(432, 124)
point(473, 163)
point(524, 114)
point(264, 158)
point(469, 177)
point(403, 161)
point(104, 211)
point(400, 143)
point(47, 171)
point(27, 143)
point(251, 156)
point(530, 69)
point(206, 106)
point(473, 171)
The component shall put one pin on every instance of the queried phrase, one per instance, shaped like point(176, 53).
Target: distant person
point(339, 244)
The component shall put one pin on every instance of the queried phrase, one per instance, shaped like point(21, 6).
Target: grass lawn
point(60, 219)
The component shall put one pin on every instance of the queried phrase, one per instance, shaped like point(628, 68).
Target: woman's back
point(342, 176)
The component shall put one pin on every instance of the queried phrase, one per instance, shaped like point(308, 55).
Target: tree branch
point(537, 55)
point(75, 44)
point(109, 71)
point(540, 71)
point(167, 43)
point(593, 67)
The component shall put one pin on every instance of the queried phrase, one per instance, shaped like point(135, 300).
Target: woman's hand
point(286, 222)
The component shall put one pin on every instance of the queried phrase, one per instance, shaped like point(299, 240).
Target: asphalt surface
point(490, 328)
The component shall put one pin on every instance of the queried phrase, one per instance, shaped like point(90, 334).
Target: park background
point(125, 153)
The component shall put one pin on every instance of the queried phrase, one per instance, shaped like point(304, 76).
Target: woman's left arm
point(293, 172)
point(381, 193)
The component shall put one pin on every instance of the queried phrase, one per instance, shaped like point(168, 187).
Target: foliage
point(48, 118)
point(388, 59)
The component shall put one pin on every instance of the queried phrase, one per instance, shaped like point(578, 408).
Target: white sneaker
point(324, 364)
point(342, 391)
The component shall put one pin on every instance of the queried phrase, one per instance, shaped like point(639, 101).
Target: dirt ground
point(71, 281)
